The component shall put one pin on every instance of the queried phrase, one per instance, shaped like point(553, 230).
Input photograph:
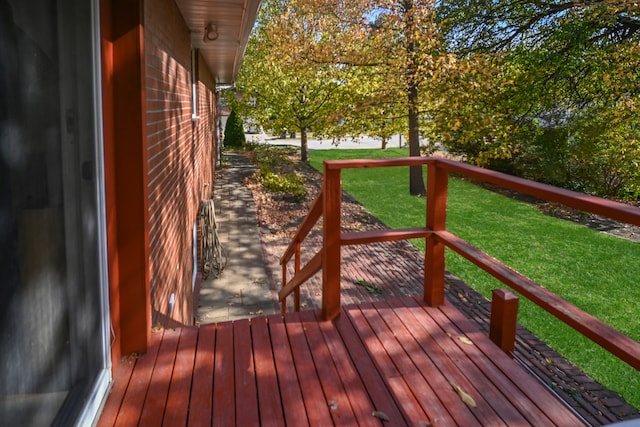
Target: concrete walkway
point(242, 290)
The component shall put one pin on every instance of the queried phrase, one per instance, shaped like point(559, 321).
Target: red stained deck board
point(492, 363)
point(490, 366)
point(315, 403)
point(393, 341)
point(429, 358)
point(245, 375)
point(476, 382)
point(290, 391)
point(453, 370)
point(398, 357)
point(335, 395)
point(384, 360)
point(269, 403)
point(176, 410)
point(355, 390)
point(223, 377)
point(492, 406)
point(116, 395)
point(139, 383)
point(156, 400)
point(381, 396)
point(202, 385)
point(483, 376)
point(532, 391)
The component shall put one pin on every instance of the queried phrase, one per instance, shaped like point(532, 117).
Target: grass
point(595, 271)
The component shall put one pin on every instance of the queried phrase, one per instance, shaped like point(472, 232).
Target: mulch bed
point(595, 222)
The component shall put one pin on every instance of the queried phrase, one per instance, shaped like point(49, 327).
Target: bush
point(287, 184)
point(234, 132)
point(277, 173)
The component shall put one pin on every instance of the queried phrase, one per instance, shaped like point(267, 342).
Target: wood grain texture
point(398, 359)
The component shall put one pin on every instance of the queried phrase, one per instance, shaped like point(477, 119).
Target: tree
point(344, 68)
point(498, 25)
point(281, 86)
point(369, 107)
point(397, 43)
point(234, 131)
point(563, 97)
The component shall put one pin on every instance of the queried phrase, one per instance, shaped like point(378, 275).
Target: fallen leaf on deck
point(380, 415)
point(464, 396)
point(465, 340)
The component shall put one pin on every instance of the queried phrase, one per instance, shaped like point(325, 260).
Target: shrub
point(289, 184)
point(234, 132)
point(277, 172)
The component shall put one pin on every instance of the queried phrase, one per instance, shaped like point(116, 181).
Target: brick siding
point(180, 158)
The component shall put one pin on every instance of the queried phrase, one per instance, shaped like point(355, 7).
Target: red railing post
point(296, 293)
point(283, 303)
point(332, 194)
point(504, 316)
point(437, 184)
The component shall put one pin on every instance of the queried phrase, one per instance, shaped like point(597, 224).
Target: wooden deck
point(399, 359)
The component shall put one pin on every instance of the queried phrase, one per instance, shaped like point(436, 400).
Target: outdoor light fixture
point(210, 32)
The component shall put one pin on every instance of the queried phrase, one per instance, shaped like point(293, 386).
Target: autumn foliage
point(545, 90)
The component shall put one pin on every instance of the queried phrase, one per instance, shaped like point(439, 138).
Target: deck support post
point(504, 316)
point(332, 194)
point(434, 264)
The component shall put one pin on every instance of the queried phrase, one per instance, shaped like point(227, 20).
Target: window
point(53, 323)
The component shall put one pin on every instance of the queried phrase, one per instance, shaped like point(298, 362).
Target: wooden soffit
point(230, 23)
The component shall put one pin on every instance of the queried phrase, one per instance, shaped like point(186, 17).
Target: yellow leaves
point(465, 397)
point(465, 340)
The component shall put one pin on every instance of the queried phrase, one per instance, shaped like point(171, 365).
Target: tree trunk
point(416, 180)
point(304, 146)
point(384, 143)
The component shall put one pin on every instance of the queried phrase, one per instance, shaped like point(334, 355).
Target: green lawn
point(595, 271)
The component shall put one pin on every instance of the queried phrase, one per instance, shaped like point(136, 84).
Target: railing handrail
point(301, 276)
point(615, 210)
point(312, 267)
point(315, 212)
point(437, 237)
point(588, 325)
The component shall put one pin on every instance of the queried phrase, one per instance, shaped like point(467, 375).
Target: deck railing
point(328, 203)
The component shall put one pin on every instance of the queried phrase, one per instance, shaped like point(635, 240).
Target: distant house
point(108, 135)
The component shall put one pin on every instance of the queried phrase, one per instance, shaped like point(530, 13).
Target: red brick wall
point(180, 158)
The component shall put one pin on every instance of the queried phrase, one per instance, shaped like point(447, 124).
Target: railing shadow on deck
point(328, 204)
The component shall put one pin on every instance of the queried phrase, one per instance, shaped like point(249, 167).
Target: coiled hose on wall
point(214, 258)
